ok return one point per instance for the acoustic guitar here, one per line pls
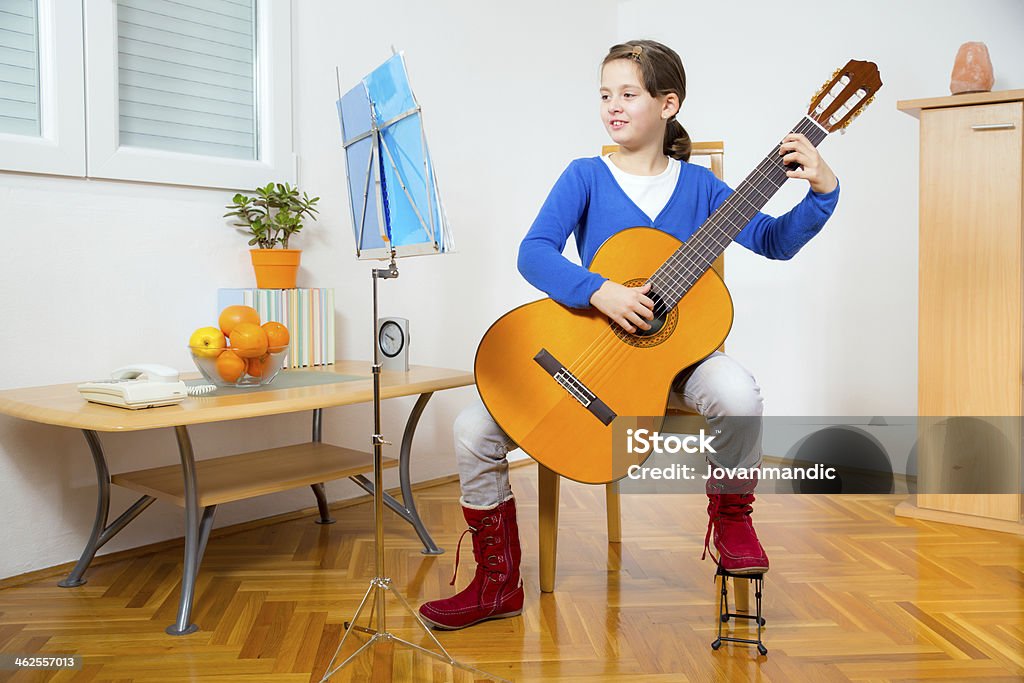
(567, 384)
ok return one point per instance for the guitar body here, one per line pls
(630, 374)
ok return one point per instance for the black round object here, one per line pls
(860, 462)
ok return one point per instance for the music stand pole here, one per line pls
(378, 446)
(380, 584)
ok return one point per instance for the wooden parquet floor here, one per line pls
(854, 594)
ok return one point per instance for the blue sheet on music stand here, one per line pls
(396, 172)
(354, 114)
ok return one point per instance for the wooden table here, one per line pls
(207, 483)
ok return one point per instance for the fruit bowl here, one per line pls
(238, 367)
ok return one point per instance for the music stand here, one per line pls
(396, 211)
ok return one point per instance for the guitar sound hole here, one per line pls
(656, 325)
(661, 312)
(662, 326)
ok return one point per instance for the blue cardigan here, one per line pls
(587, 202)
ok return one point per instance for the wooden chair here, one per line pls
(684, 421)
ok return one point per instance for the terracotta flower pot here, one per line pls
(275, 268)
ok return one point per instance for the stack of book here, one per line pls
(307, 313)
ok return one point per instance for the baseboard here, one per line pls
(909, 509)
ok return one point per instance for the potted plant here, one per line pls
(271, 218)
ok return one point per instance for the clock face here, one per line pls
(391, 339)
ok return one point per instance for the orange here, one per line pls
(230, 366)
(248, 340)
(232, 315)
(277, 336)
(257, 367)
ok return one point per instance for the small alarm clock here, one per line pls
(393, 343)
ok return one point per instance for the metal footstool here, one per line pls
(724, 613)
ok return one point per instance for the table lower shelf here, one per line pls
(237, 477)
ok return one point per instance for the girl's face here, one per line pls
(632, 116)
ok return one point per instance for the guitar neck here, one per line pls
(688, 263)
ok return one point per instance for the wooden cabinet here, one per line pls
(971, 307)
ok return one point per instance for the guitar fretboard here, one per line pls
(691, 260)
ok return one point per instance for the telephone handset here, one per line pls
(147, 371)
(145, 385)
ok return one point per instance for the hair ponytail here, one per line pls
(677, 141)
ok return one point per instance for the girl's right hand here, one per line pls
(627, 306)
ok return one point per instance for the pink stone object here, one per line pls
(972, 70)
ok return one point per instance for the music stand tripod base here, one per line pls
(725, 615)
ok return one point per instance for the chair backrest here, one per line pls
(715, 152)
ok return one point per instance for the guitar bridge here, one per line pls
(576, 388)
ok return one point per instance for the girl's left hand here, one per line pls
(797, 149)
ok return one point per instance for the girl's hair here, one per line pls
(662, 73)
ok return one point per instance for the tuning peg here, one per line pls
(857, 113)
(823, 87)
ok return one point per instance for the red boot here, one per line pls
(496, 590)
(739, 551)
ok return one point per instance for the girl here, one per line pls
(647, 182)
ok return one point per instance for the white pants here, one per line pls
(718, 388)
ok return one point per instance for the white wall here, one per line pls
(834, 330)
(98, 274)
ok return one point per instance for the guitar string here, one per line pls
(608, 362)
(763, 177)
(612, 335)
(696, 239)
(776, 166)
(773, 175)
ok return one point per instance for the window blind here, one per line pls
(19, 67)
(187, 76)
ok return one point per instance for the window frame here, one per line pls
(107, 159)
(60, 147)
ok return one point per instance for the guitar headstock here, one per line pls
(841, 99)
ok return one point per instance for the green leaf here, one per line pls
(273, 214)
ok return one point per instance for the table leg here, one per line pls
(429, 547)
(193, 535)
(318, 489)
(407, 508)
(321, 503)
(101, 533)
(318, 417)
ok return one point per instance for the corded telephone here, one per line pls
(147, 385)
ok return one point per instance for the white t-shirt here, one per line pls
(649, 192)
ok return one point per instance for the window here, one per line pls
(191, 92)
(19, 67)
(187, 76)
(42, 113)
